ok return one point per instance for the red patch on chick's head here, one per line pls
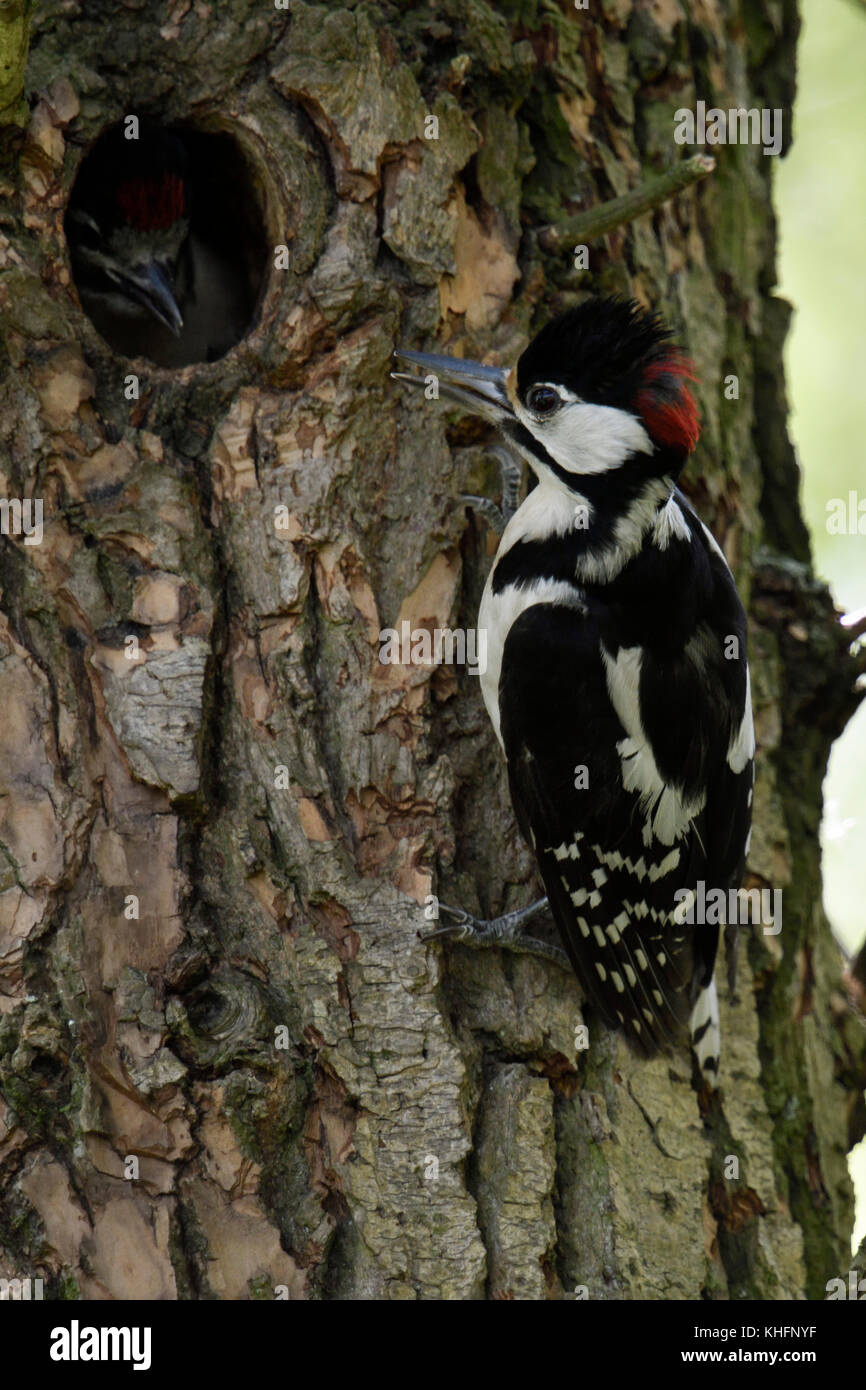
(152, 203)
(667, 405)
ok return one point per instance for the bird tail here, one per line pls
(706, 1034)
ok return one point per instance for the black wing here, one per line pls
(605, 846)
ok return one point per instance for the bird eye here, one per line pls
(543, 400)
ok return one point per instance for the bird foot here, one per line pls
(498, 517)
(504, 931)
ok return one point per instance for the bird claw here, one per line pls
(498, 517)
(463, 926)
(485, 507)
(504, 931)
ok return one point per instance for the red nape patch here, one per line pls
(667, 405)
(151, 204)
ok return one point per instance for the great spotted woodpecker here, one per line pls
(151, 283)
(617, 679)
(128, 229)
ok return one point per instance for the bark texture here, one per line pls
(215, 856)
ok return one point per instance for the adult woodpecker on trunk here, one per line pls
(617, 679)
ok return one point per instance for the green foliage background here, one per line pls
(821, 201)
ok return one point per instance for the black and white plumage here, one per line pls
(617, 679)
(128, 226)
(149, 276)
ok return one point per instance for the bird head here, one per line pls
(599, 387)
(128, 225)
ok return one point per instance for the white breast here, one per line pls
(549, 509)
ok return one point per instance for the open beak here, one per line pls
(153, 289)
(482, 390)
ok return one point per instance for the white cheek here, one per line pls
(585, 438)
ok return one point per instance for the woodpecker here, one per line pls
(128, 228)
(617, 679)
(150, 284)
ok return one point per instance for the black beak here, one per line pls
(482, 390)
(152, 287)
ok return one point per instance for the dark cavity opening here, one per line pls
(167, 242)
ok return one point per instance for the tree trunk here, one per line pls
(229, 1068)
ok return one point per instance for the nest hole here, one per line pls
(168, 243)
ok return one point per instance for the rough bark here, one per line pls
(278, 801)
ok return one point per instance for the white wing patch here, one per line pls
(669, 523)
(668, 813)
(743, 744)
